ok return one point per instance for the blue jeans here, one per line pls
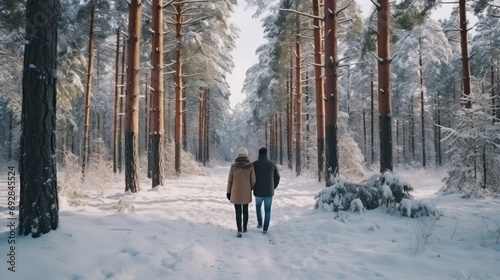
(268, 201)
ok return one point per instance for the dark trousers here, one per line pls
(241, 209)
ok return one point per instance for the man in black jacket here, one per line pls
(267, 179)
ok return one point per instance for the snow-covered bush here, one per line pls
(382, 189)
(357, 206)
(124, 205)
(392, 189)
(99, 175)
(351, 160)
(416, 208)
(69, 186)
(399, 188)
(341, 194)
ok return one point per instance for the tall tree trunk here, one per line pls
(11, 128)
(412, 130)
(156, 120)
(331, 90)
(266, 142)
(39, 204)
(422, 109)
(497, 107)
(88, 93)
(117, 97)
(397, 141)
(298, 99)
(168, 115)
(464, 45)
(147, 105)
(281, 138)
(493, 113)
(276, 137)
(271, 137)
(308, 159)
(372, 120)
(290, 116)
(179, 98)
(320, 98)
(184, 123)
(201, 126)
(384, 84)
(437, 128)
(404, 143)
(132, 96)
(484, 167)
(121, 106)
(364, 132)
(207, 128)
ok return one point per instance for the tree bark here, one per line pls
(117, 98)
(121, 102)
(147, 105)
(271, 138)
(372, 120)
(178, 90)
(384, 84)
(464, 45)
(39, 204)
(412, 130)
(298, 100)
(290, 115)
(276, 137)
(201, 127)
(320, 98)
(207, 128)
(132, 99)
(281, 138)
(404, 143)
(308, 159)
(88, 93)
(493, 108)
(397, 141)
(156, 120)
(364, 132)
(422, 109)
(11, 128)
(331, 90)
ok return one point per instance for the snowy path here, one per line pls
(186, 230)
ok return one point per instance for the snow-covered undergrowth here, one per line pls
(99, 176)
(384, 189)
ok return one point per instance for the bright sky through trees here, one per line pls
(251, 37)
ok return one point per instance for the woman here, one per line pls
(239, 187)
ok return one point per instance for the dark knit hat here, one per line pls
(262, 151)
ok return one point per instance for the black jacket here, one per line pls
(267, 177)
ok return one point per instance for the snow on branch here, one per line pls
(343, 8)
(376, 4)
(303, 14)
(378, 58)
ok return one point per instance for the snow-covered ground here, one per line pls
(186, 230)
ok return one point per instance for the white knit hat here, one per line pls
(242, 152)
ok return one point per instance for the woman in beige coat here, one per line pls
(239, 187)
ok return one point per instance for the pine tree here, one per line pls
(39, 206)
(474, 160)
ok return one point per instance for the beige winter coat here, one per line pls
(241, 181)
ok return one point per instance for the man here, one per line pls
(267, 179)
